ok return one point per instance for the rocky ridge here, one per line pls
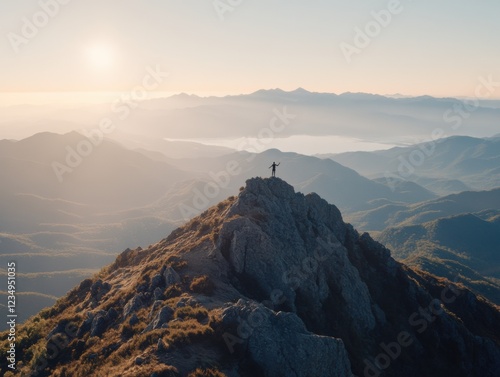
(269, 283)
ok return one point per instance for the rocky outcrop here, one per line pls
(281, 345)
(99, 324)
(295, 248)
(171, 276)
(294, 291)
(294, 253)
(161, 319)
(134, 304)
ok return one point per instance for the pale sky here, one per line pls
(438, 48)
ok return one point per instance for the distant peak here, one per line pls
(184, 96)
(360, 95)
(264, 91)
(421, 98)
(48, 136)
(301, 90)
(272, 151)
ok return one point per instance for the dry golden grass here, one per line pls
(173, 291)
(199, 313)
(202, 284)
(114, 353)
(186, 332)
(206, 373)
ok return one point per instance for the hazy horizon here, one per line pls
(77, 98)
(329, 46)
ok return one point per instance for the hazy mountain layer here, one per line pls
(463, 246)
(388, 214)
(367, 117)
(443, 166)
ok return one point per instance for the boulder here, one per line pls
(156, 282)
(111, 315)
(134, 304)
(99, 324)
(161, 319)
(280, 344)
(133, 320)
(157, 293)
(86, 325)
(156, 305)
(171, 276)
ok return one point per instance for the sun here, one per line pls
(100, 56)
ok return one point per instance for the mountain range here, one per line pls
(367, 117)
(452, 236)
(443, 166)
(387, 214)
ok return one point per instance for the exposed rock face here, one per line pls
(296, 246)
(98, 324)
(281, 345)
(133, 305)
(294, 253)
(296, 293)
(163, 316)
(171, 277)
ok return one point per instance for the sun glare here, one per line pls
(100, 56)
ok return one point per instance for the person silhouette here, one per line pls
(274, 168)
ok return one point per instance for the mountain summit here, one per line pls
(268, 283)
